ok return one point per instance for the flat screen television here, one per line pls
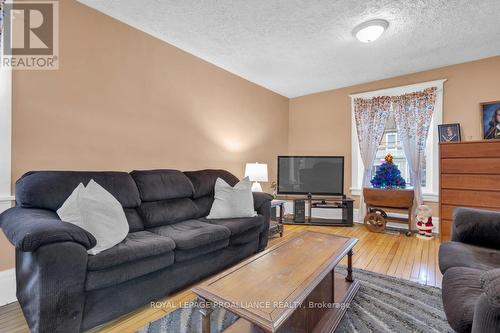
(315, 175)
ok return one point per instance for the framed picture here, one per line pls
(490, 120)
(449, 133)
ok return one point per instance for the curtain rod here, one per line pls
(393, 90)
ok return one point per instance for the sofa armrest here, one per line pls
(476, 227)
(262, 204)
(490, 282)
(259, 199)
(487, 309)
(51, 286)
(28, 229)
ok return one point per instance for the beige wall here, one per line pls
(321, 123)
(123, 100)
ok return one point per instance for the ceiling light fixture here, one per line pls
(370, 31)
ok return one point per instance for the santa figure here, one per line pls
(424, 222)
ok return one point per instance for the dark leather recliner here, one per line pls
(470, 263)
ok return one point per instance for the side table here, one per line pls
(276, 226)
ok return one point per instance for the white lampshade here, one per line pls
(257, 172)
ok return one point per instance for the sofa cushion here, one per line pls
(461, 290)
(139, 254)
(192, 234)
(135, 246)
(32, 187)
(456, 254)
(194, 238)
(155, 185)
(246, 237)
(204, 204)
(158, 213)
(134, 219)
(185, 255)
(204, 181)
(239, 225)
(121, 273)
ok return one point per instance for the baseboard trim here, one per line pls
(8, 198)
(7, 286)
(6, 202)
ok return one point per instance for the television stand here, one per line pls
(342, 203)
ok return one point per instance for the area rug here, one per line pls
(382, 304)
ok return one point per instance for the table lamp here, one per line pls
(256, 172)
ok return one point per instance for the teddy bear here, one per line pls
(424, 221)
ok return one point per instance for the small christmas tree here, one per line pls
(388, 175)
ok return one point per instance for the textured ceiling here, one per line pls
(300, 47)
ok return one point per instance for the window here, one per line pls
(390, 143)
(5, 137)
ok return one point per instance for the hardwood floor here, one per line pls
(395, 255)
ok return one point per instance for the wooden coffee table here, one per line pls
(291, 287)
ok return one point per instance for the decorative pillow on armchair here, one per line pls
(97, 211)
(232, 202)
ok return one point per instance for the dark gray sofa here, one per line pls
(170, 245)
(470, 263)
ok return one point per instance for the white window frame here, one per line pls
(5, 138)
(431, 191)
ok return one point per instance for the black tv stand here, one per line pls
(340, 202)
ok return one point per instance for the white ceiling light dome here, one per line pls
(370, 31)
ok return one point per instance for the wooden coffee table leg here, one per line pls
(333, 285)
(206, 310)
(281, 219)
(349, 267)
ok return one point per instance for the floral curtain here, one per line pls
(370, 116)
(413, 116)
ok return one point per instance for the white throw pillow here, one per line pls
(232, 202)
(97, 211)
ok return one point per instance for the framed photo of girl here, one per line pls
(449, 133)
(490, 120)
